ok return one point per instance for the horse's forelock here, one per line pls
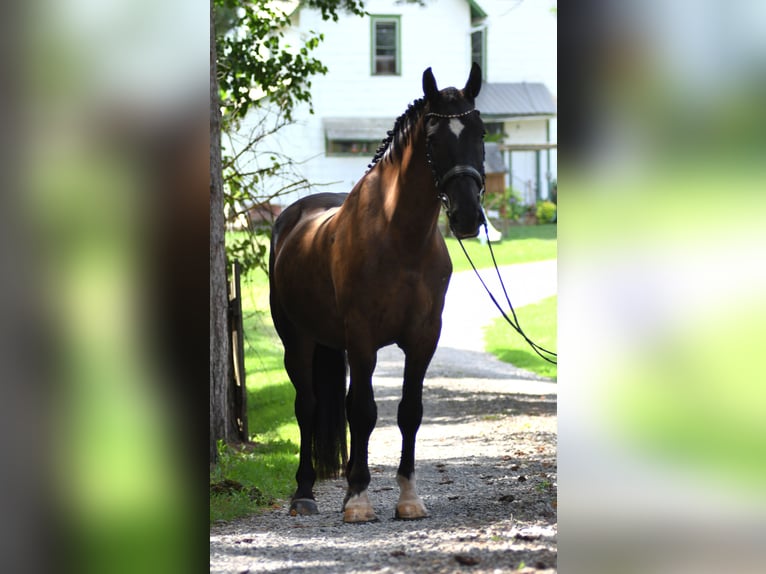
(451, 94)
(452, 101)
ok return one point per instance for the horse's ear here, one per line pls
(473, 85)
(429, 84)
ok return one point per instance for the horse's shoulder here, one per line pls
(306, 207)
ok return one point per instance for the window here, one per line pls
(479, 49)
(495, 131)
(354, 135)
(385, 45)
(352, 147)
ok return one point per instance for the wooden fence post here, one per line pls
(237, 387)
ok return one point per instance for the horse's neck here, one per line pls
(413, 203)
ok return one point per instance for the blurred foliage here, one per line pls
(546, 212)
(249, 248)
(508, 204)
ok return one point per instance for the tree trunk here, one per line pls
(219, 340)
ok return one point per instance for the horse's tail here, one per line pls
(330, 451)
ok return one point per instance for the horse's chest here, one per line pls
(394, 301)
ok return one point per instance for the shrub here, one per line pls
(546, 212)
(508, 204)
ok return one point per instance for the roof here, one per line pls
(477, 13)
(515, 99)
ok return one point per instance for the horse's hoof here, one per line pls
(358, 509)
(410, 505)
(303, 507)
(357, 515)
(410, 511)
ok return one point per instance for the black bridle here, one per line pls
(544, 353)
(478, 175)
(458, 170)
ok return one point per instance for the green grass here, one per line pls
(269, 464)
(539, 323)
(521, 244)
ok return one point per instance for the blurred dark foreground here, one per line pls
(104, 286)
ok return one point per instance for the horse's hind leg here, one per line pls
(298, 364)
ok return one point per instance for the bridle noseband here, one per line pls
(457, 170)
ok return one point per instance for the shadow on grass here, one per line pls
(268, 464)
(528, 360)
(269, 407)
(266, 467)
(277, 446)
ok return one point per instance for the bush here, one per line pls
(508, 204)
(546, 212)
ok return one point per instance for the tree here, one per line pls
(258, 69)
(247, 55)
(219, 340)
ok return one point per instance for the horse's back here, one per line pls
(298, 210)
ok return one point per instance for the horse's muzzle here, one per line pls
(464, 227)
(462, 235)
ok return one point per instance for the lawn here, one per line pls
(538, 321)
(522, 244)
(266, 467)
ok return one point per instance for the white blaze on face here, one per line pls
(456, 126)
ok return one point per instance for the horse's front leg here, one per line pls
(410, 506)
(362, 415)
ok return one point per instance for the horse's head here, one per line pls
(455, 149)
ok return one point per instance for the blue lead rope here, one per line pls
(541, 351)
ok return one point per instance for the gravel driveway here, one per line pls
(485, 463)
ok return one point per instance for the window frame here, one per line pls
(397, 20)
(483, 63)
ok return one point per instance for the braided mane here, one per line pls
(397, 138)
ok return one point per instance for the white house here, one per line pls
(375, 67)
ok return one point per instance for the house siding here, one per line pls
(524, 46)
(438, 36)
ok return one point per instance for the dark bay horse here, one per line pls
(352, 273)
